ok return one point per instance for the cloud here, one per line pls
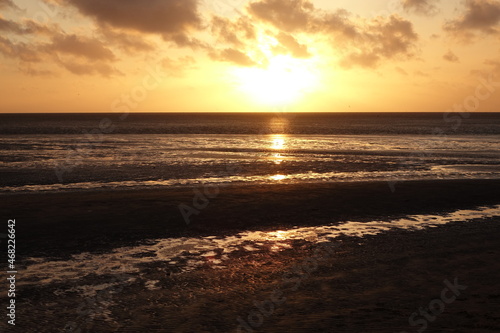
(421, 7)
(495, 64)
(233, 56)
(27, 27)
(236, 32)
(451, 57)
(6, 4)
(168, 18)
(264, 29)
(378, 40)
(78, 54)
(480, 16)
(19, 51)
(401, 71)
(11, 26)
(79, 46)
(420, 73)
(81, 68)
(131, 43)
(288, 15)
(362, 42)
(81, 55)
(290, 45)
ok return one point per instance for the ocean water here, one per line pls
(103, 151)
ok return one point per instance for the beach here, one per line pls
(56, 223)
(372, 283)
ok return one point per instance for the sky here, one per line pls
(249, 55)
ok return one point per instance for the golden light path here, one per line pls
(283, 81)
(278, 177)
(279, 144)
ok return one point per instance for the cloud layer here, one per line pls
(166, 17)
(423, 7)
(114, 30)
(480, 16)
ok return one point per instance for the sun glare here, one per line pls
(283, 81)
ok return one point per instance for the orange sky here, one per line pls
(239, 55)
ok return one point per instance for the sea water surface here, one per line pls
(76, 152)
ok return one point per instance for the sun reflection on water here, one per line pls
(278, 177)
(278, 142)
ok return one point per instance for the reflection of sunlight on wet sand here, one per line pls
(278, 177)
(277, 158)
(189, 253)
(278, 234)
(278, 141)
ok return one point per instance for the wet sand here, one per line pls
(59, 224)
(369, 284)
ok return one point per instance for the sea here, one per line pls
(102, 151)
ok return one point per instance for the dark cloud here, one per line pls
(422, 7)
(78, 54)
(81, 55)
(5, 4)
(89, 48)
(19, 51)
(129, 42)
(379, 39)
(85, 68)
(25, 28)
(451, 57)
(11, 26)
(165, 17)
(480, 16)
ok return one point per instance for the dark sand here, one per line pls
(62, 223)
(371, 284)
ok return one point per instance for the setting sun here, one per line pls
(283, 81)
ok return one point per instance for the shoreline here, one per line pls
(369, 284)
(61, 224)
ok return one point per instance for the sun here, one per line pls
(283, 81)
